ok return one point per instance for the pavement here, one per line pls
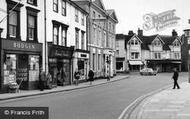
(27, 93)
(166, 103)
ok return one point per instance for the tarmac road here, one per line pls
(99, 102)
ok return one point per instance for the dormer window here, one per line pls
(176, 43)
(134, 42)
(157, 43)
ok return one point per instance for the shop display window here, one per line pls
(10, 68)
(34, 68)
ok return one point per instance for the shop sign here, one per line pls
(20, 45)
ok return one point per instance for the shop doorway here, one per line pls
(63, 66)
(22, 70)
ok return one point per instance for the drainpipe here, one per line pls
(45, 37)
(1, 60)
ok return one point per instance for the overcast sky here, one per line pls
(130, 14)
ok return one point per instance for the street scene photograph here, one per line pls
(94, 59)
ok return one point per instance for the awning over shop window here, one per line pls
(135, 63)
(176, 62)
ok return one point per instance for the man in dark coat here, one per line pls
(175, 78)
(91, 76)
(42, 80)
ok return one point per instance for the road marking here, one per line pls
(123, 114)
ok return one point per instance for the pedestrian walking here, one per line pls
(42, 80)
(175, 78)
(91, 76)
(77, 77)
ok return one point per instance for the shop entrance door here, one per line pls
(22, 70)
(64, 64)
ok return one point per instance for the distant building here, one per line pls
(185, 50)
(159, 52)
(101, 37)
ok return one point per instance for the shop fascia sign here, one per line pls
(22, 45)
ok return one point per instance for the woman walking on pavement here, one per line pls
(91, 76)
(175, 78)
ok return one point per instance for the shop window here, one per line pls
(55, 5)
(10, 68)
(119, 65)
(33, 67)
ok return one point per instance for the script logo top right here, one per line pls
(160, 21)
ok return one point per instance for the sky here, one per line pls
(130, 14)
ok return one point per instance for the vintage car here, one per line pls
(147, 71)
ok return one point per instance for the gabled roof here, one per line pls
(99, 3)
(147, 40)
(168, 40)
(112, 14)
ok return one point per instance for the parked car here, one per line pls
(147, 71)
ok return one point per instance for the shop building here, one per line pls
(160, 52)
(67, 42)
(21, 43)
(101, 37)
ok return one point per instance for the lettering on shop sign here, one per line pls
(160, 21)
(23, 45)
(61, 53)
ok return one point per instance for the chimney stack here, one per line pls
(130, 33)
(174, 33)
(140, 32)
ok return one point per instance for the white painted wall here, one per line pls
(69, 20)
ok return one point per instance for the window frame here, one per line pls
(15, 26)
(31, 28)
(135, 55)
(32, 3)
(56, 5)
(34, 13)
(76, 15)
(82, 20)
(63, 38)
(57, 38)
(83, 40)
(77, 38)
(157, 55)
(64, 7)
